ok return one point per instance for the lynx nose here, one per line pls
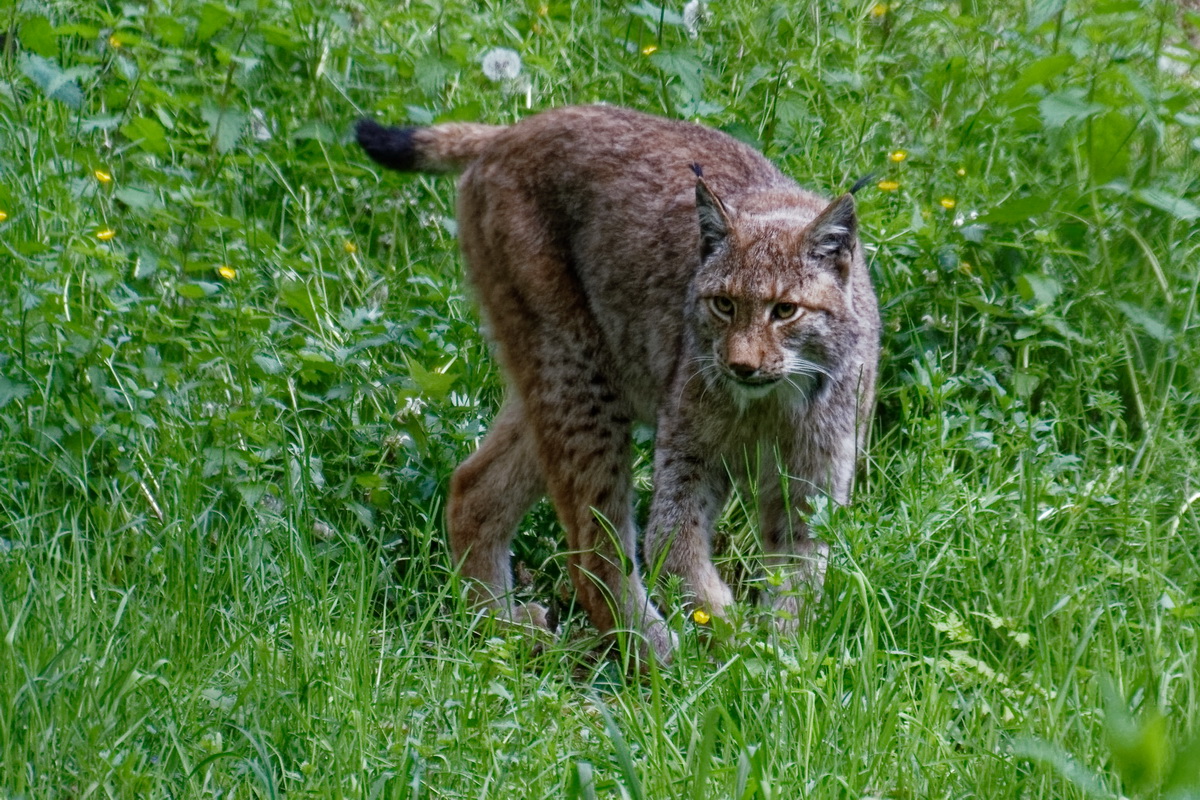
(743, 371)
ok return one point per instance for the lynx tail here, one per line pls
(442, 148)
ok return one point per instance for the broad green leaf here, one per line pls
(1042, 11)
(430, 73)
(197, 290)
(148, 133)
(51, 79)
(1040, 289)
(654, 13)
(1142, 318)
(1170, 203)
(299, 298)
(1140, 750)
(139, 199)
(1108, 156)
(10, 391)
(213, 17)
(225, 126)
(432, 384)
(317, 130)
(1018, 209)
(1060, 108)
(686, 68)
(1042, 71)
(38, 35)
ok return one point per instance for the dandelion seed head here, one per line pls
(501, 64)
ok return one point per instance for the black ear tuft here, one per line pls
(863, 181)
(696, 169)
(392, 147)
(832, 235)
(714, 219)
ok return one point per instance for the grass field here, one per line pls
(240, 361)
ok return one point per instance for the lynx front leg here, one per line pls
(489, 494)
(795, 561)
(689, 492)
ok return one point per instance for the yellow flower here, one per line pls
(961, 172)
(898, 156)
(879, 9)
(114, 42)
(701, 616)
(648, 49)
(106, 234)
(350, 247)
(543, 10)
(3, 216)
(102, 176)
(947, 203)
(888, 186)
(227, 272)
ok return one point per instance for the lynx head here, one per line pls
(773, 301)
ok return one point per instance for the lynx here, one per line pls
(633, 269)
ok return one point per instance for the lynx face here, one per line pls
(770, 298)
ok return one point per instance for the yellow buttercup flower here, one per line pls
(879, 9)
(114, 42)
(898, 156)
(102, 176)
(888, 186)
(105, 234)
(350, 247)
(648, 49)
(947, 202)
(701, 616)
(3, 216)
(961, 172)
(227, 272)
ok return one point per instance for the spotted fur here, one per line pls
(637, 269)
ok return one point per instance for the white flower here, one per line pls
(501, 64)
(693, 15)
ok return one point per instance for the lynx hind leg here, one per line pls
(584, 441)
(554, 353)
(489, 495)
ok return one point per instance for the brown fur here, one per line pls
(620, 286)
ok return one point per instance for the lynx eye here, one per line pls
(782, 312)
(722, 306)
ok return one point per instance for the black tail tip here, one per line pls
(392, 147)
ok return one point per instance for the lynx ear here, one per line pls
(831, 236)
(714, 218)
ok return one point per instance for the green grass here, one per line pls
(226, 431)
